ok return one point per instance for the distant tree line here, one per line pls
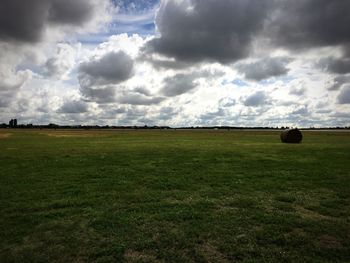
(13, 124)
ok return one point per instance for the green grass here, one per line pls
(173, 196)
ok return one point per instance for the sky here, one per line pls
(175, 62)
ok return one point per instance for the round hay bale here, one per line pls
(291, 136)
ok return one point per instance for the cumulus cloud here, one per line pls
(301, 24)
(112, 68)
(120, 95)
(135, 115)
(27, 21)
(143, 91)
(74, 106)
(110, 112)
(340, 115)
(182, 83)
(208, 30)
(297, 91)
(218, 31)
(167, 113)
(61, 63)
(105, 94)
(162, 62)
(257, 99)
(264, 68)
(101, 80)
(227, 102)
(70, 12)
(138, 99)
(336, 65)
(178, 84)
(212, 116)
(344, 95)
(10, 85)
(8, 93)
(339, 81)
(303, 110)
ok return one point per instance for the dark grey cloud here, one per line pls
(110, 112)
(264, 68)
(167, 113)
(211, 30)
(138, 96)
(303, 110)
(100, 95)
(211, 116)
(74, 107)
(339, 81)
(323, 111)
(343, 115)
(139, 99)
(134, 116)
(26, 21)
(300, 24)
(10, 89)
(336, 65)
(70, 12)
(8, 93)
(195, 30)
(22, 20)
(344, 95)
(120, 95)
(61, 63)
(178, 84)
(98, 77)
(112, 68)
(53, 67)
(143, 91)
(182, 83)
(257, 99)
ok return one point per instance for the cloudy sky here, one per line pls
(175, 62)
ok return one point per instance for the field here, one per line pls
(173, 196)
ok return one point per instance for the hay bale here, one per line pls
(291, 136)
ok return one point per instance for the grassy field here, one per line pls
(173, 196)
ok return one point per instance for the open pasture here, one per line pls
(173, 196)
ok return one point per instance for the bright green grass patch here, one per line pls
(173, 196)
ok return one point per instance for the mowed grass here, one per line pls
(173, 196)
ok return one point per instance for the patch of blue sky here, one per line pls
(237, 82)
(135, 17)
(127, 6)
(37, 69)
(137, 21)
(285, 79)
(267, 82)
(94, 39)
(72, 80)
